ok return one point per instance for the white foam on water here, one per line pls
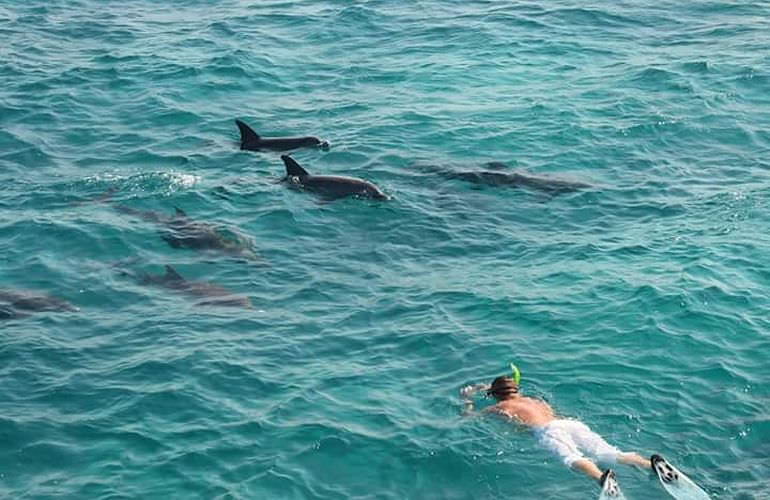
(182, 180)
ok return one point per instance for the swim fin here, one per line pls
(675, 482)
(610, 487)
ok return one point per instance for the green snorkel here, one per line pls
(516, 374)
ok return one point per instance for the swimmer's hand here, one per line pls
(468, 391)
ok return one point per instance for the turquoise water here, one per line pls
(638, 305)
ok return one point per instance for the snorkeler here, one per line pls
(572, 441)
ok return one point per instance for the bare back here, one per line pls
(527, 411)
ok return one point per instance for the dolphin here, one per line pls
(212, 294)
(252, 141)
(17, 304)
(330, 187)
(492, 176)
(183, 232)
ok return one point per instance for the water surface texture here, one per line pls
(638, 304)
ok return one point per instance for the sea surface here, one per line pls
(638, 304)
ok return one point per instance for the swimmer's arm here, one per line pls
(470, 411)
(467, 393)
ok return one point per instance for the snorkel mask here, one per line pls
(501, 385)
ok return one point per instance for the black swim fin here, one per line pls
(663, 469)
(610, 487)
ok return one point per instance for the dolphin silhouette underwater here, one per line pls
(212, 294)
(252, 141)
(329, 187)
(494, 176)
(183, 232)
(16, 304)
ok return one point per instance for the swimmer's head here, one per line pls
(503, 387)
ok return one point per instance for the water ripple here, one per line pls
(647, 288)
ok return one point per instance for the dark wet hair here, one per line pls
(502, 387)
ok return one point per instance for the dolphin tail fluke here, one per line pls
(247, 133)
(105, 197)
(122, 267)
(172, 240)
(172, 275)
(147, 215)
(293, 169)
(7, 312)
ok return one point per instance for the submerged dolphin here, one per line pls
(494, 177)
(213, 295)
(183, 232)
(17, 304)
(252, 141)
(330, 187)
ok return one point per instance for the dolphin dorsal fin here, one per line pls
(292, 167)
(180, 212)
(171, 274)
(247, 133)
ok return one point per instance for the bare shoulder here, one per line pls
(496, 410)
(536, 401)
(505, 409)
